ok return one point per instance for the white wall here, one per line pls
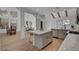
(43, 11)
(30, 17)
(38, 20)
(26, 17)
(48, 21)
(71, 16)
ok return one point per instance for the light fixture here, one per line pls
(66, 22)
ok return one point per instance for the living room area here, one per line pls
(9, 26)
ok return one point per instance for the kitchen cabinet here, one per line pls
(59, 33)
(54, 33)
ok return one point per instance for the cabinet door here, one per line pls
(55, 33)
(61, 34)
(47, 38)
(38, 41)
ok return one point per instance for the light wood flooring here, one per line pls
(14, 43)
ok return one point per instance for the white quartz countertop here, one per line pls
(75, 29)
(39, 32)
(71, 43)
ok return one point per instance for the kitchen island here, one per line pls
(41, 38)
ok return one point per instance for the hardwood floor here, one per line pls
(14, 43)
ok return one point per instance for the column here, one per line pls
(22, 24)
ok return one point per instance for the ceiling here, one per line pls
(45, 10)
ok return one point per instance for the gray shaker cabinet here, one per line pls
(59, 33)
